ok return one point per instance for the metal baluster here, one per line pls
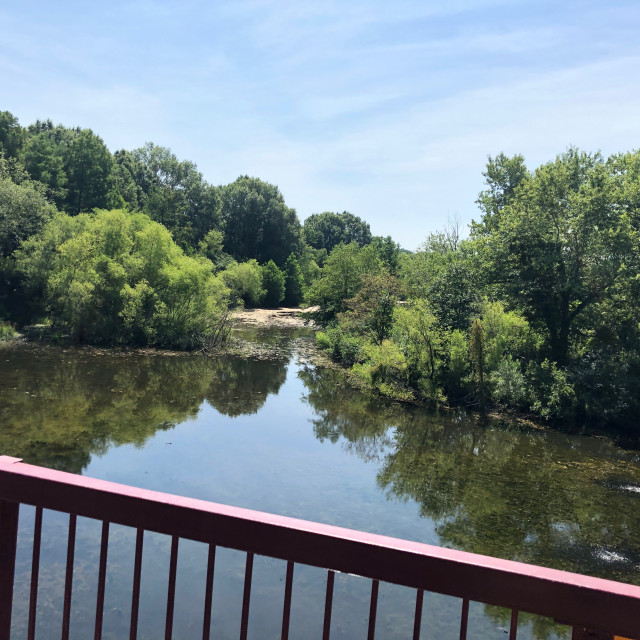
(135, 596)
(35, 574)
(102, 575)
(513, 631)
(464, 619)
(208, 593)
(68, 584)
(171, 591)
(417, 621)
(286, 613)
(327, 605)
(248, 573)
(9, 512)
(373, 608)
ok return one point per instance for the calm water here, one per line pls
(281, 436)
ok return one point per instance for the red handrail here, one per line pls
(577, 600)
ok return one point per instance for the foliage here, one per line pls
(23, 211)
(7, 331)
(11, 135)
(273, 281)
(561, 245)
(118, 278)
(327, 230)
(385, 369)
(341, 278)
(87, 166)
(370, 311)
(244, 281)
(294, 282)
(174, 193)
(257, 223)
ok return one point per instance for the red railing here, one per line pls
(602, 607)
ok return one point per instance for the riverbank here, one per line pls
(281, 317)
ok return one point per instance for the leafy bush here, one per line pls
(7, 331)
(273, 281)
(115, 277)
(323, 341)
(244, 280)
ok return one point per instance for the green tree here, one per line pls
(273, 281)
(327, 230)
(175, 194)
(503, 176)
(24, 210)
(257, 222)
(561, 245)
(44, 161)
(294, 282)
(88, 165)
(370, 312)
(341, 278)
(12, 135)
(244, 280)
(118, 278)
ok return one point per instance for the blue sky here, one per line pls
(385, 109)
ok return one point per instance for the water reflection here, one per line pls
(495, 488)
(58, 408)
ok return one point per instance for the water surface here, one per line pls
(281, 436)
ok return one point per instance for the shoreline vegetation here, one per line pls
(534, 309)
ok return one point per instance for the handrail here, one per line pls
(578, 600)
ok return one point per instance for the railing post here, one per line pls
(8, 541)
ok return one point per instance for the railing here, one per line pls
(593, 607)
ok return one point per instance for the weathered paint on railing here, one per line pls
(581, 601)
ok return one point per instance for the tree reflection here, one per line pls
(496, 488)
(60, 407)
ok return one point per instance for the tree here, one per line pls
(257, 222)
(389, 252)
(12, 135)
(118, 278)
(44, 161)
(503, 176)
(327, 230)
(88, 166)
(175, 194)
(24, 210)
(273, 281)
(561, 245)
(370, 311)
(294, 282)
(341, 278)
(244, 280)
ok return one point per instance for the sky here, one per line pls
(388, 110)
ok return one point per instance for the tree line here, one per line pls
(535, 308)
(136, 247)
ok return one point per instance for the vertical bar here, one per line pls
(417, 621)
(373, 608)
(171, 591)
(464, 619)
(244, 625)
(68, 584)
(35, 574)
(513, 631)
(328, 603)
(8, 540)
(135, 595)
(208, 593)
(286, 612)
(102, 575)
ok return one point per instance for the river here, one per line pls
(280, 435)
